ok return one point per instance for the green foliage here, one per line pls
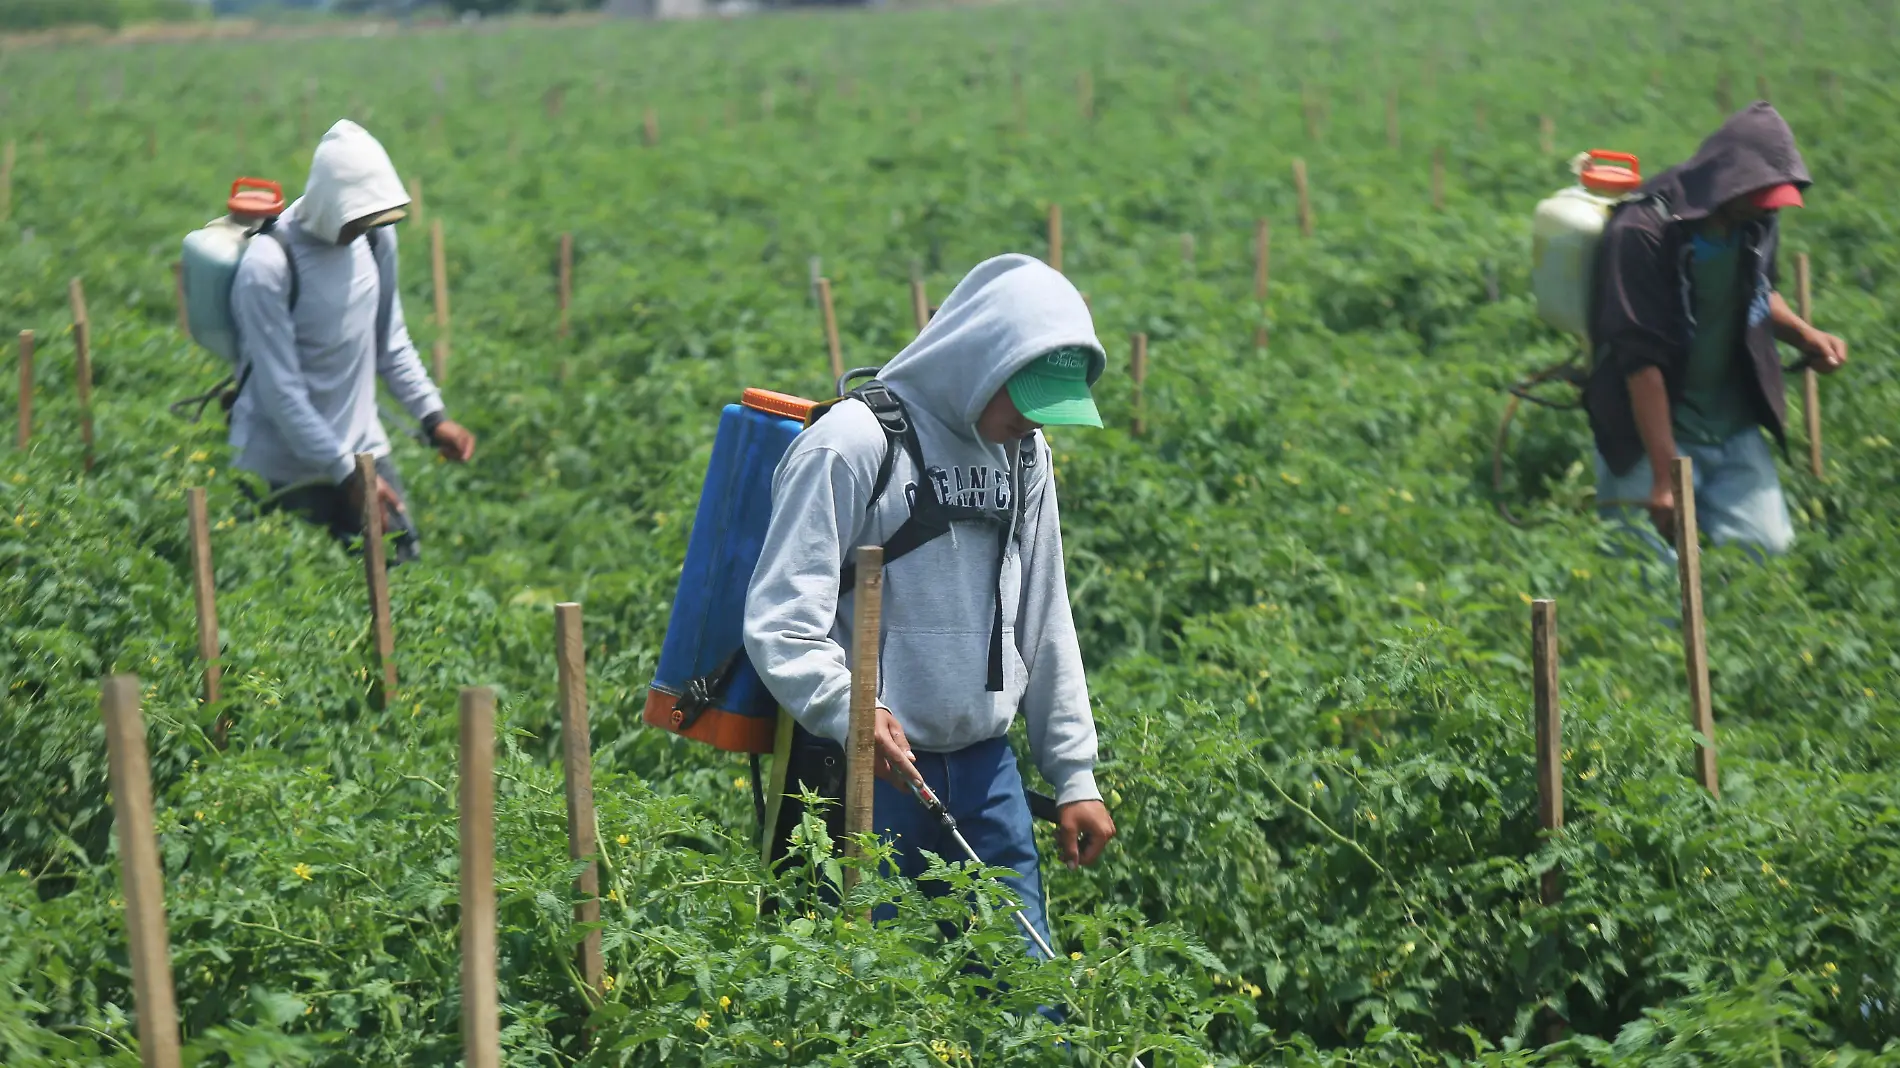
(1306, 628)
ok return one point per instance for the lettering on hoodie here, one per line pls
(969, 486)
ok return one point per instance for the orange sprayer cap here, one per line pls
(256, 196)
(764, 400)
(1615, 181)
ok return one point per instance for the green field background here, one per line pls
(1307, 627)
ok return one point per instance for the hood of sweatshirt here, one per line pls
(1753, 150)
(350, 177)
(1007, 312)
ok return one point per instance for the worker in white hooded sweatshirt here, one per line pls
(976, 620)
(319, 319)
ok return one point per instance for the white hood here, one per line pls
(350, 177)
(1006, 312)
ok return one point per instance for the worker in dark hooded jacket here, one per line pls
(1683, 326)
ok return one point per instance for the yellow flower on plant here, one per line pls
(738, 784)
(778, 1043)
(200, 456)
(200, 814)
(1406, 496)
(1319, 784)
(623, 839)
(1076, 955)
(1289, 478)
(703, 1022)
(725, 1002)
(302, 871)
(607, 982)
(1868, 691)
(1767, 868)
(1829, 968)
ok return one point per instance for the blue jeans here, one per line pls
(1737, 497)
(984, 790)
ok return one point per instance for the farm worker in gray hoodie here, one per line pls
(1684, 325)
(313, 337)
(976, 623)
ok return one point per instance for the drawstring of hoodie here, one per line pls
(995, 683)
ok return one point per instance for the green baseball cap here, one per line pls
(1053, 389)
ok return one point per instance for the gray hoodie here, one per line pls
(310, 403)
(939, 600)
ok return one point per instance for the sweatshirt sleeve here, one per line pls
(1056, 702)
(792, 603)
(1638, 299)
(399, 364)
(267, 346)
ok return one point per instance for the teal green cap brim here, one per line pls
(1053, 401)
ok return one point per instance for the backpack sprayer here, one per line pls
(935, 807)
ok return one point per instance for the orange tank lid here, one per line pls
(764, 400)
(256, 196)
(1613, 180)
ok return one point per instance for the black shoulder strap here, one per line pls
(269, 229)
(385, 301)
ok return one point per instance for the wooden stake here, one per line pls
(130, 771)
(25, 432)
(652, 127)
(1306, 203)
(583, 840)
(415, 201)
(1724, 97)
(1546, 134)
(1262, 251)
(1438, 178)
(204, 593)
(831, 328)
(1694, 639)
(1550, 735)
(439, 357)
(178, 292)
(378, 575)
(1055, 236)
(1187, 248)
(1761, 87)
(919, 304)
(7, 156)
(439, 267)
(1810, 380)
(82, 366)
(1138, 371)
(567, 277)
(867, 615)
(1392, 119)
(481, 1005)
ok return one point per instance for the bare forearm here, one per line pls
(1790, 329)
(1649, 398)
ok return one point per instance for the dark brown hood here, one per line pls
(1753, 150)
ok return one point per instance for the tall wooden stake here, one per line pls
(415, 202)
(1138, 371)
(567, 277)
(481, 1005)
(867, 617)
(919, 304)
(1695, 650)
(831, 328)
(1810, 381)
(1055, 236)
(1262, 253)
(1546, 134)
(204, 594)
(378, 575)
(82, 364)
(7, 156)
(1550, 735)
(439, 264)
(651, 125)
(578, 764)
(130, 771)
(1306, 203)
(25, 433)
(1187, 248)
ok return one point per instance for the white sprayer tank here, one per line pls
(210, 256)
(1566, 232)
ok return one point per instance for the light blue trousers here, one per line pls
(1737, 497)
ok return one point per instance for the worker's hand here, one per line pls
(353, 491)
(454, 441)
(1826, 352)
(1662, 510)
(894, 758)
(1083, 831)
